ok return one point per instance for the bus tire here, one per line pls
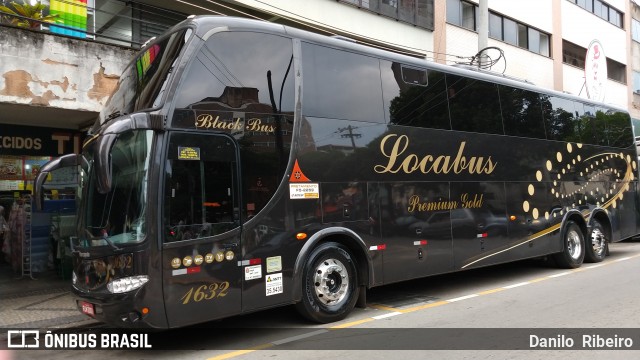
(597, 243)
(573, 247)
(329, 284)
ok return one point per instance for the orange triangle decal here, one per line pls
(297, 175)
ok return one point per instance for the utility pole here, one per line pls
(350, 135)
(483, 29)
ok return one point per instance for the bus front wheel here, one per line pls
(597, 244)
(330, 284)
(573, 247)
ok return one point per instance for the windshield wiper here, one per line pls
(105, 238)
(113, 115)
(113, 246)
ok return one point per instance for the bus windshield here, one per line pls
(118, 217)
(143, 82)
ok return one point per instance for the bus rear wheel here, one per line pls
(330, 284)
(573, 247)
(597, 243)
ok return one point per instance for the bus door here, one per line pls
(201, 229)
(416, 229)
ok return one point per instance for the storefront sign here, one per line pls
(37, 141)
(595, 71)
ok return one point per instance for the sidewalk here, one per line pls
(45, 302)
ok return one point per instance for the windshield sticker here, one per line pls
(304, 191)
(188, 153)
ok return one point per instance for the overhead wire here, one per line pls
(485, 62)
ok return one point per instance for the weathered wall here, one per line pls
(41, 69)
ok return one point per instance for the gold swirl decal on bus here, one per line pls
(207, 121)
(394, 146)
(604, 186)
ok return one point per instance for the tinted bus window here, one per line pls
(521, 112)
(601, 126)
(421, 105)
(585, 122)
(341, 85)
(619, 132)
(474, 105)
(226, 73)
(560, 121)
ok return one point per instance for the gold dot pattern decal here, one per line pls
(579, 181)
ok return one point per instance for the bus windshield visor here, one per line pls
(118, 217)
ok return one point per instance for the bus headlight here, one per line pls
(127, 284)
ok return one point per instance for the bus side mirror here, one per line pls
(61, 162)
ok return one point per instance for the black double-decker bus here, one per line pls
(243, 165)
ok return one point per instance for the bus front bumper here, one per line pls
(118, 310)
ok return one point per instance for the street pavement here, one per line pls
(45, 302)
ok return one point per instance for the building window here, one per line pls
(573, 54)
(616, 71)
(510, 31)
(461, 13)
(538, 42)
(636, 82)
(602, 10)
(415, 12)
(635, 30)
(495, 26)
(514, 33)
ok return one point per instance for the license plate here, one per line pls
(87, 308)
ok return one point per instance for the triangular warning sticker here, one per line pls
(297, 175)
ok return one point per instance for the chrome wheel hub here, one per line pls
(331, 282)
(598, 241)
(574, 246)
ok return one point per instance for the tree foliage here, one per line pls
(26, 15)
